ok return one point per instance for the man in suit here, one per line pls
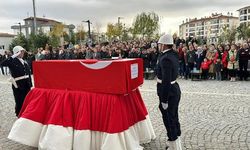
(20, 76)
(168, 90)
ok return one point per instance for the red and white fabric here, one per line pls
(65, 120)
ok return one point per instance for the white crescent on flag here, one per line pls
(97, 65)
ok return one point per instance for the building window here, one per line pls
(248, 10)
(243, 12)
(248, 17)
(243, 18)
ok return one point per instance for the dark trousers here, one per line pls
(204, 74)
(224, 73)
(232, 73)
(243, 70)
(2, 70)
(170, 115)
(19, 95)
(182, 68)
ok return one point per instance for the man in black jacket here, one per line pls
(244, 56)
(21, 79)
(168, 90)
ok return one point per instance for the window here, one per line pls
(248, 10)
(243, 18)
(248, 17)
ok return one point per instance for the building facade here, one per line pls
(5, 40)
(43, 24)
(244, 15)
(207, 28)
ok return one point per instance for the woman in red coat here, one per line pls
(224, 63)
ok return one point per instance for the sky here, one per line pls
(102, 12)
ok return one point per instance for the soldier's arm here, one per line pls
(166, 79)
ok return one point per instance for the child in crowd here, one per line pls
(218, 69)
(205, 68)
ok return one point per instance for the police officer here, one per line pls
(20, 76)
(168, 90)
(244, 56)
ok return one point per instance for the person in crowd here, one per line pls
(146, 60)
(233, 65)
(244, 56)
(184, 49)
(30, 59)
(153, 57)
(37, 56)
(205, 68)
(97, 52)
(199, 57)
(89, 53)
(133, 53)
(190, 59)
(20, 76)
(62, 53)
(181, 61)
(211, 56)
(218, 69)
(1, 59)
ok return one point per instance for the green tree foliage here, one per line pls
(20, 40)
(243, 31)
(145, 24)
(228, 34)
(39, 40)
(114, 30)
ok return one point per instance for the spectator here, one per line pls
(211, 56)
(205, 68)
(190, 60)
(199, 57)
(218, 69)
(233, 62)
(244, 56)
(181, 61)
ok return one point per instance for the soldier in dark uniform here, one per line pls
(21, 79)
(168, 90)
(244, 56)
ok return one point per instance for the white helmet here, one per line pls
(17, 49)
(166, 39)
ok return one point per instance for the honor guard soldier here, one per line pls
(20, 76)
(168, 90)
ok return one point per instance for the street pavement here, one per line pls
(214, 115)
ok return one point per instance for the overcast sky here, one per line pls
(101, 12)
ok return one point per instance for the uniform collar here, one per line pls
(165, 51)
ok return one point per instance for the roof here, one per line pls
(41, 19)
(209, 18)
(6, 35)
(243, 8)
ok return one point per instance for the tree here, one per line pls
(39, 40)
(228, 34)
(55, 34)
(80, 34)
(243, 31)
(20, 40)
(114, 30)
(146, 24)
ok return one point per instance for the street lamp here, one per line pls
(20, 28)
(88, 27)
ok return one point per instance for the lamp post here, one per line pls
(34, 10)
(20, 28)
(88, 28)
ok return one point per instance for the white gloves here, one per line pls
(15, 55)
(164, 105)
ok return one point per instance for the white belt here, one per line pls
(21, 78)
(160, 81)
(13, 80)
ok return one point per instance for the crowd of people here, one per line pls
(220, 62)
